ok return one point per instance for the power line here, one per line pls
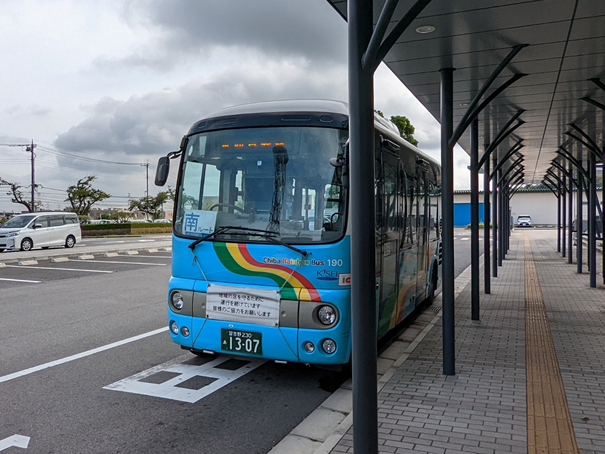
(87, 158)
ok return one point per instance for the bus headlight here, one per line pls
(185, 331)
(329, 346)
(177, 301)
(326, 315)
(174, 328)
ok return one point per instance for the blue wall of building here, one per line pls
(462, 214)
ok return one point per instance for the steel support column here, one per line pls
(486, 225)
(563, 215)
(495, 222)
(570, 217)
(447, 197)
(363, 272)
(558, 218)
(474, 220)
(592, 220)
(579, 216)
(500, 216)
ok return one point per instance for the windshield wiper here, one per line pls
(207, 237)
(266, 234)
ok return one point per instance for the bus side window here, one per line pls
(411, 210)
(191, 189)
(435, 196)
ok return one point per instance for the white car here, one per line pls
(26, 231)
(524, 220)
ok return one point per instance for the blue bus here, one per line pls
(261, 240)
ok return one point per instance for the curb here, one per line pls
(61, 253)
(321, 431)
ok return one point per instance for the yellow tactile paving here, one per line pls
(549, 426)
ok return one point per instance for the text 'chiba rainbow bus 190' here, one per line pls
(261, 245)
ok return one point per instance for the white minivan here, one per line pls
(27, 231)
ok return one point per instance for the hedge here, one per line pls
(138, 228)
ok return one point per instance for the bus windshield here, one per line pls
(276, 180)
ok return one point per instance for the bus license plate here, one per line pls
(241, 341)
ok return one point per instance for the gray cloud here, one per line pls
(34, 109)
(284, 29)
(153, 123)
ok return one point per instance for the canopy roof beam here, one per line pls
(514, 149)
(378, 48)
(475, 108)
(589, 143)
(502, 134)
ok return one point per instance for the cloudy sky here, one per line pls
(103, 87)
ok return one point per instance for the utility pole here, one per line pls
(29, 148)
(146, 165)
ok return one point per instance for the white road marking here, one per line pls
(170, 389)
(155, 256)
(68, 359)
(146, 241)
(126, 262)
(17, 441)
(464, 239)
(59, 269)
(19, 280)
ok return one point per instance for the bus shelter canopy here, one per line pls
(565, 53)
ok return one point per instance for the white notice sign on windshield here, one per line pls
(243, 304)
(199, 222)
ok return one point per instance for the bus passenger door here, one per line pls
(408, 250)
(422, 238)
(388, 241)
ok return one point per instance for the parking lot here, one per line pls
(31, 271)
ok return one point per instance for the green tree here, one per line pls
(120, 216)
(406, 129)
(82, 196)
(17, 195)
(150, 205)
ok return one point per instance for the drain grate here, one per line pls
(434, 308)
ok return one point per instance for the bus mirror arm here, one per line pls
(161, 173)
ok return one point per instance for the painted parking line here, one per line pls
(16, 441)
(19, 280)
(185, 382)
(158, 256)
(31, 267)
(117, 261)
(68, 359)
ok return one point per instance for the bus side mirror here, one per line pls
(161, 174)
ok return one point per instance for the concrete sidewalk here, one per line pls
(503, 398)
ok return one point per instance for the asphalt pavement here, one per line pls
(90, 245)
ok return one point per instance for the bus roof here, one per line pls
(310, 105)
(288, 105)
